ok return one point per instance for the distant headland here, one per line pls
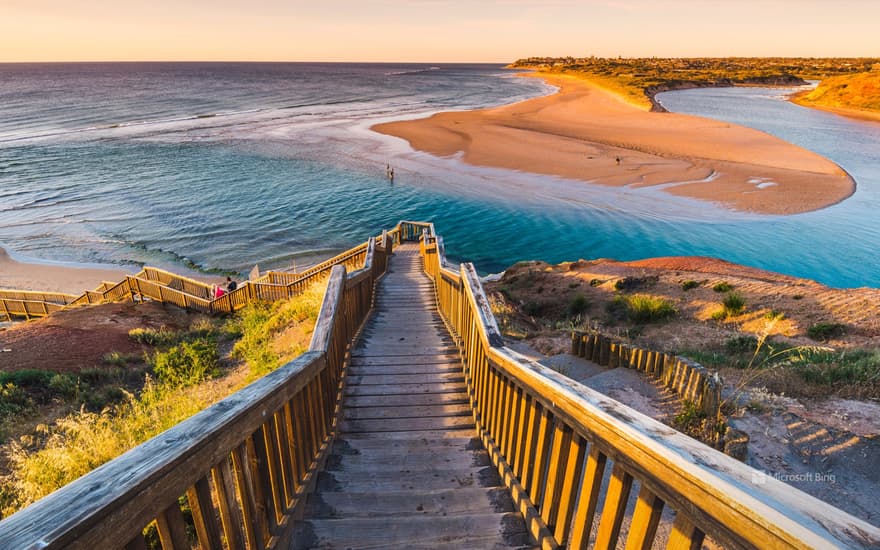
(639, 80)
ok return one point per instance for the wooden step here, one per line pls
(448, 502)
(373, 425)
(436, 368)
(392, 389)
(408, 411)
(390, 379)
(402, 399)
(422, 479)
(495, 530)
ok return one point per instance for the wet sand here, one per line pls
(586, 133)
(52, 278)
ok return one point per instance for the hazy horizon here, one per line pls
(430, 31)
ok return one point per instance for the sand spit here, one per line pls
(586, 133)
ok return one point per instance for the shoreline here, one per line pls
(48, 277)
(580, 131)
(858, 114)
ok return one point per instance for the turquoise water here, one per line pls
(219, 166)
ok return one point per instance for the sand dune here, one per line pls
(581, 132)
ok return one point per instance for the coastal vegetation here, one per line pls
(640, 79)
(183, 372)
(758, 333)
(859, 92)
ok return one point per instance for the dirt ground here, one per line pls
(75, 339)
(812, 438)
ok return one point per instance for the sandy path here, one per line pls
(581, 132)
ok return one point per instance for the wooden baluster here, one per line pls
(557, 466)
(255, 527)
(614, 509)
(265, 493)
(208, 532)
(646, 517)
(513, 420)
(172, 528)
(684, 535)
(503, 406)
(230, 511)
(295, 436)
(519, 443)
(589, 497)
(528, 465)
(542, 444)
(568, 492)
(284, 458)
(276, 481)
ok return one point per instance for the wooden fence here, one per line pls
(687, 379)
(552, 440)
(243, 466)
(167, 287)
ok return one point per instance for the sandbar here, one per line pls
(53, 278)
(584, 132)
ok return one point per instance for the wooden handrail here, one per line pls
(552, 439)
(244, 465)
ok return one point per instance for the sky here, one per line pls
(492, 31)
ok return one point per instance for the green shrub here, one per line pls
(722, 287)
(642, 308)
(32, 378)
(596, 282)
(578, 305)
(734, 304)
(155, 337)
(65, 385)
(14, 401)
(849, 367)
(826, 331)
(688, 285)
(533, 308)
(741, 344)
(186, 363)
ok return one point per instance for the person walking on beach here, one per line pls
(230, 284)
(389, 172)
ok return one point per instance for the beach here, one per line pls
(53, 278)
(584, 132)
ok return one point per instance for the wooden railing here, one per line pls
(552, 440)
(167, 287)
(243, 466)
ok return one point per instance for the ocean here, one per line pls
(215, 167)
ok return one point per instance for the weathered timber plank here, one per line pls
(423, 378)
(417, 411)
(403, 479)
(391, 389)
(403, 399)
(428, 434)
(467, 500)
(437, 368)
(474, 531)
(426, 359)
(405, 424)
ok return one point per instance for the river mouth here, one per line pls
(286, 181)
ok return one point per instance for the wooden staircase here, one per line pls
(407, 469)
